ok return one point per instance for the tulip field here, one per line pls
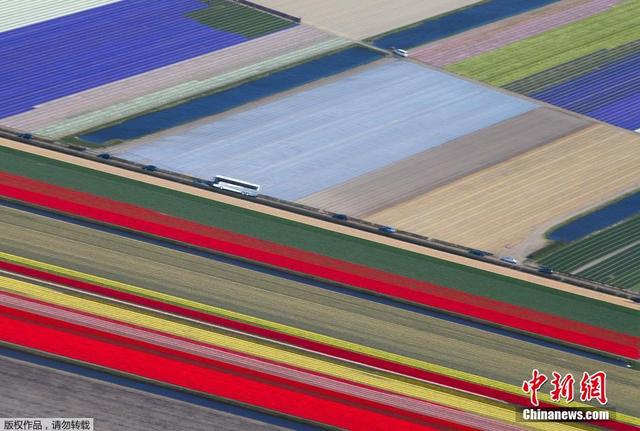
(273, 215)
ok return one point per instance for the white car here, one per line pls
(510, 260)
(401, 52)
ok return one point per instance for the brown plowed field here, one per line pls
(438, 166)
(500, 208)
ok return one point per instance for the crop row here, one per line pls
(573, 69)
(310, 264)
(489, 37)
(593, 247)
(104, 45)
(170, 366)
(601, 85)
(622, 270)
(519, 60)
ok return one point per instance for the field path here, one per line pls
(317, 223)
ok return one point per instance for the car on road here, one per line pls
(510, 260)
(545, 270)
(150, 168)
(400, 52)
(479, 253)
(387, 229)
(342, 217)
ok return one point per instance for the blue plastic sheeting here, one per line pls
(327, 135)
(156, 390)
(597, 220)
(458, 21)
(611, 93)
(63, 56)
(224, 100)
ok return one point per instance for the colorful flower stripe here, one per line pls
(262, 349)
(473, 306)
(322, 266)
(272, 335)
(208, 376)
(207, 352)
(288, 339)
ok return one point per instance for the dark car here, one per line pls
(342, 217)
(150, 168)
(478, 253)
(27, 136)
(545, 270)
(387, 229)
(105, 156)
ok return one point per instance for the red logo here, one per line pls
(592, 387)
(562, 387)
(532, 386)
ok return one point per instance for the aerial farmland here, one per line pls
(214, 114)
(306, 215)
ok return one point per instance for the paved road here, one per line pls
(298, 304)
(29, 390)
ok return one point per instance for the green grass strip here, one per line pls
(618, 26)
(321, 241)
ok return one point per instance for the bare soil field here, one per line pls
(438, 166)
(318, 223)
(359, 19)
(499, 208)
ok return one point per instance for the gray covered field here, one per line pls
(440, 165)
(332, 133)
(28, 390)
